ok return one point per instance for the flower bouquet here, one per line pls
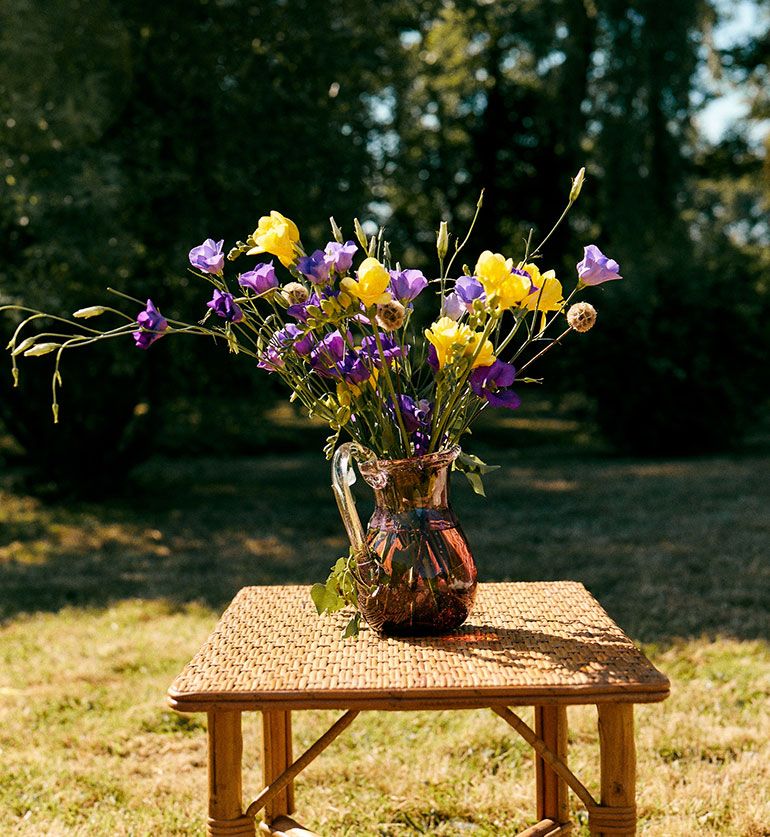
(341, 329)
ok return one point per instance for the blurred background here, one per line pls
(132, 130)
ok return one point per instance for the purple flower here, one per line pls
(155, 324)
(432, 358)
(259, 280)
(417, 417)
(208, 256)
(469, 288)
(327, 353)
(353, 368)
(331, 358)
(340, 256)
(304, 346)
(492, 382)
(271, 358)
(299, 311)
(453, 306)
(416, 414)
(391, 349)
(596, 267)
(223, 305)
(315, 267)
(406, 285)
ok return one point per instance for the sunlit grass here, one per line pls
(103, 604)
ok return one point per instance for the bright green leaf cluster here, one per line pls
(339, 592)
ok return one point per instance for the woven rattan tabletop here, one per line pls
(524, 643)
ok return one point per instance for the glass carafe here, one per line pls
(415, 572)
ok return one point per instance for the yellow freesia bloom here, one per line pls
(277, 235)
(493, 270)
(446, 335)
(486, 357)
(372, 282)
(549, 297)
(452, 339)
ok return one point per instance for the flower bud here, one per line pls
(328, 306)
(343, 395)
(390, 315)
(336, 231)
(239, 249)
(22, 347)
(577, 185)
(360, 234)
(41, 349)
(92, 311)
(442, 240)
(581, 316)
(295, 293)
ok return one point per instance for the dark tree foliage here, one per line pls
(130, 131)
(676, 370)
(515, 96)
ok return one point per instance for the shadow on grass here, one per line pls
(670, 548)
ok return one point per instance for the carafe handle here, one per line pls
(343, 476)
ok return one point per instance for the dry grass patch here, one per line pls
(103, 604)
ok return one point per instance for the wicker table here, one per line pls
(542, 644)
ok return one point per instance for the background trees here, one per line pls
(130, 131)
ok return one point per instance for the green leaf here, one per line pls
(474, 468)
(477, 484)
(467, 462)
(319, 594)
(353, 627)
(340, 566)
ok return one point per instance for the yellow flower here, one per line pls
(505, 288)
(549, 297)
(372, 282)
(446, 335)
(343, 394)
(452, 340)
(277, 235)
(485, 357)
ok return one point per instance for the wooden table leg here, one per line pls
(276, 757)
(616, 816)
(226, 817)
(551, 790)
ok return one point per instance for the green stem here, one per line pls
(553, 230)
(546, 349)
(447, 411)
(389, 383)
(467, 236)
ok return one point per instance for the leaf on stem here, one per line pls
(473, 468)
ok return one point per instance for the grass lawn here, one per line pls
(101, 604)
